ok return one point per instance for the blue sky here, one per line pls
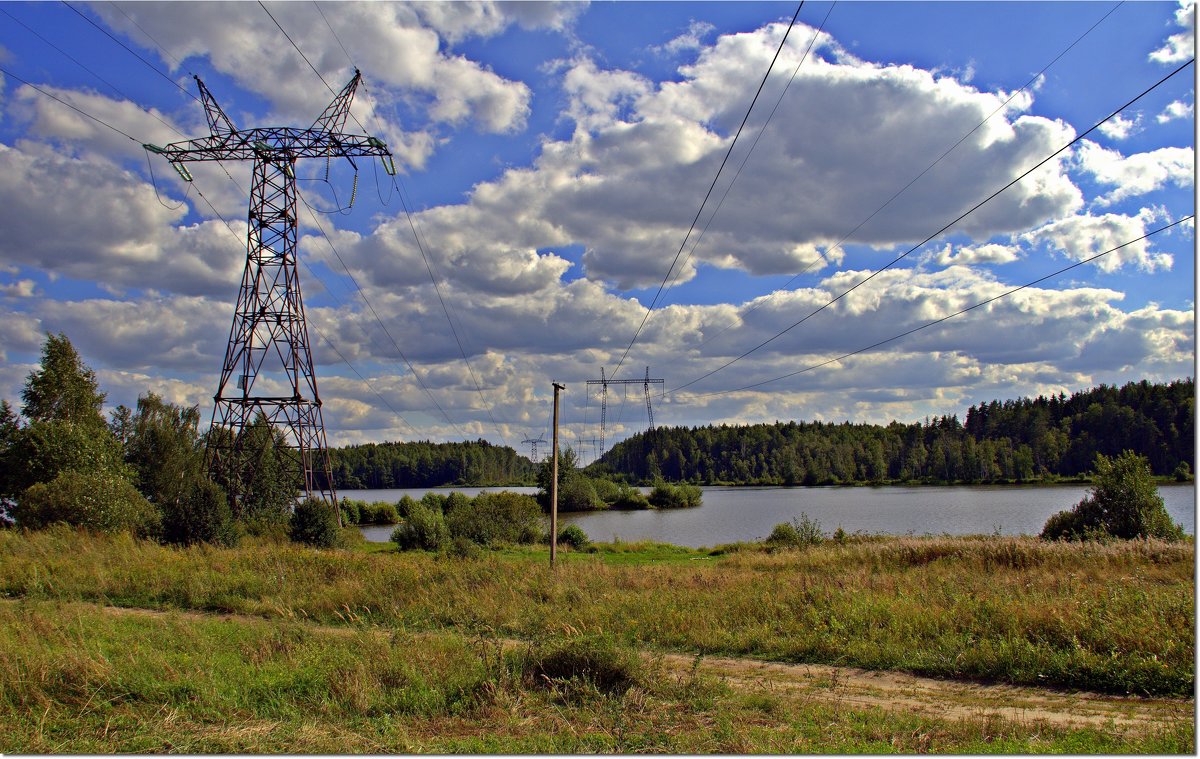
(552, 159)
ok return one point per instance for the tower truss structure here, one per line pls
(533, 456)
(268, 367)
(604, 383)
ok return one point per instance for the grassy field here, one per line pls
(271, 648)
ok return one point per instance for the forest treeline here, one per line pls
(1043, 438)
(425, 464)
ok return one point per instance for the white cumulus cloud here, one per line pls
(1179, 47)
(1139, 173)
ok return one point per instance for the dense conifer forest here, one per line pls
(425, 464)
(1042, 438)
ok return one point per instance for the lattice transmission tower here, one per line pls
(604, 383)
(268, 367)
(533, 447)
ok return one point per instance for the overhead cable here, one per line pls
(960, 312)
(708, 194)
(753, 145)
(298, 50)
(363, 295)
(759, 303)
(940, 231)
(408, 214)
(78, 110)
(445, 310)
(132, 52)
(149, 36)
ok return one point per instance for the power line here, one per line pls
(132, 52)
(64, 53)
(149, 36)
(374, 313)
(78, 110)
(708, 194)
(331, 31)
(753, 145)
(445, 310)
(966, 213)
(412, 225)
(152, 67)
(298, 50)
(338, 255)
(759, 304)
(91, 71)
(960, 312)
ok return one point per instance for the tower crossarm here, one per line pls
(277, 143)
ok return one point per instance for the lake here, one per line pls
(731, 514)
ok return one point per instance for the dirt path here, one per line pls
(927, 696)
(858, 688)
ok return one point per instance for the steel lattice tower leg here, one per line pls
(603, 405)
(649, 411)
(268, 365)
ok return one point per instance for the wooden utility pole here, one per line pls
(554, 481)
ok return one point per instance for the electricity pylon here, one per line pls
(534, 444)
(604, 382)
(268, 367)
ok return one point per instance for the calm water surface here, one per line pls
(732, 514)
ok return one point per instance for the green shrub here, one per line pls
(455, 500)
(350, 537)
(1123, 503)
(464, 548)
(574, 536)
(435, 501)
(578, 494)
(424, 529)
(380, 513)
(313, 522)
(606, 490)
(630, 498)
(1182, 473)
(667, 496)
(351, 510)
(269, 523)
(101, 502)
(203, 516)
(405, 506)
(493, 518)
(801, 531)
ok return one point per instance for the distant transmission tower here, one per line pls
(581, 444)
(604, 382)
(268, 366)
(534, 444)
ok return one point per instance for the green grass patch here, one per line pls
(79, 678)
(1116, 618)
